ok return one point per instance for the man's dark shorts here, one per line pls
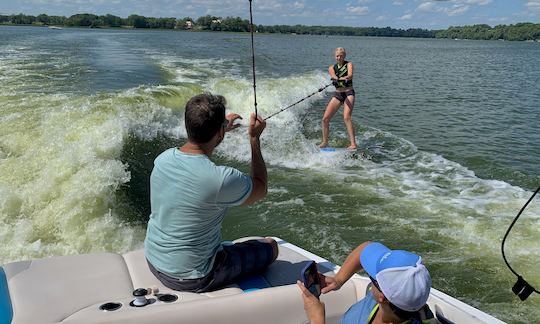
(232, 263)
(342, 96)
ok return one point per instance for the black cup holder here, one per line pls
(167, 298)
(110, 307)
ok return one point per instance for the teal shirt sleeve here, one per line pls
(236, 187)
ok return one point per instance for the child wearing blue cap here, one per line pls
(399, 292)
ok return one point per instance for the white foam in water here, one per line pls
(194, 70)
(60, 169)
(471, 210)
(295, 201)
(60, 175)
(325, 198)
(279, 190)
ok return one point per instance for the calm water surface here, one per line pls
(449, 129)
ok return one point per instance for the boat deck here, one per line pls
(73, 289)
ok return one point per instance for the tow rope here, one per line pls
(299, 101)
(253, 57)
(521, 288)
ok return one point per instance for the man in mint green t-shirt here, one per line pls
(189, 197)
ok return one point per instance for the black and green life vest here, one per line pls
(340, 72)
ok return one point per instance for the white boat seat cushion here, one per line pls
(61, 286)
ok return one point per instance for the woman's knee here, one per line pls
(325, 120)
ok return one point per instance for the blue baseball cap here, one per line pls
(401, 276)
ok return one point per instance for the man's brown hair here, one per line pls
(204, 116)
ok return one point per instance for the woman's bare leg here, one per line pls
(330, 111)
(347, 118)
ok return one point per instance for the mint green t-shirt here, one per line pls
(189, 196)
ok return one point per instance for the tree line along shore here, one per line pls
(516, 32)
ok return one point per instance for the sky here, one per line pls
(433, 14)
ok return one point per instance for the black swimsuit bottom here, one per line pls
(341, 96)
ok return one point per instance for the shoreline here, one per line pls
(521, 31)
(131, 28)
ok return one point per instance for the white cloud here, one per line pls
(471, 2)
(299, 5)
(406, 17)
(498, 20)
(456, 10)
(398, 3)
(533, 5)
(459, 6)
(358, 10)
(475, 2)
(426, 6)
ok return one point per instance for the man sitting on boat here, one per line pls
(189, 197)
(400, 286)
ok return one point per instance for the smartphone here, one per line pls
(310, 278)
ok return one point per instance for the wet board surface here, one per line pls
(342, 151)
(337, 150)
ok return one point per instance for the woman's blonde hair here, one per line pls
(340, 50)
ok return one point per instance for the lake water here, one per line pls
(449, 130)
